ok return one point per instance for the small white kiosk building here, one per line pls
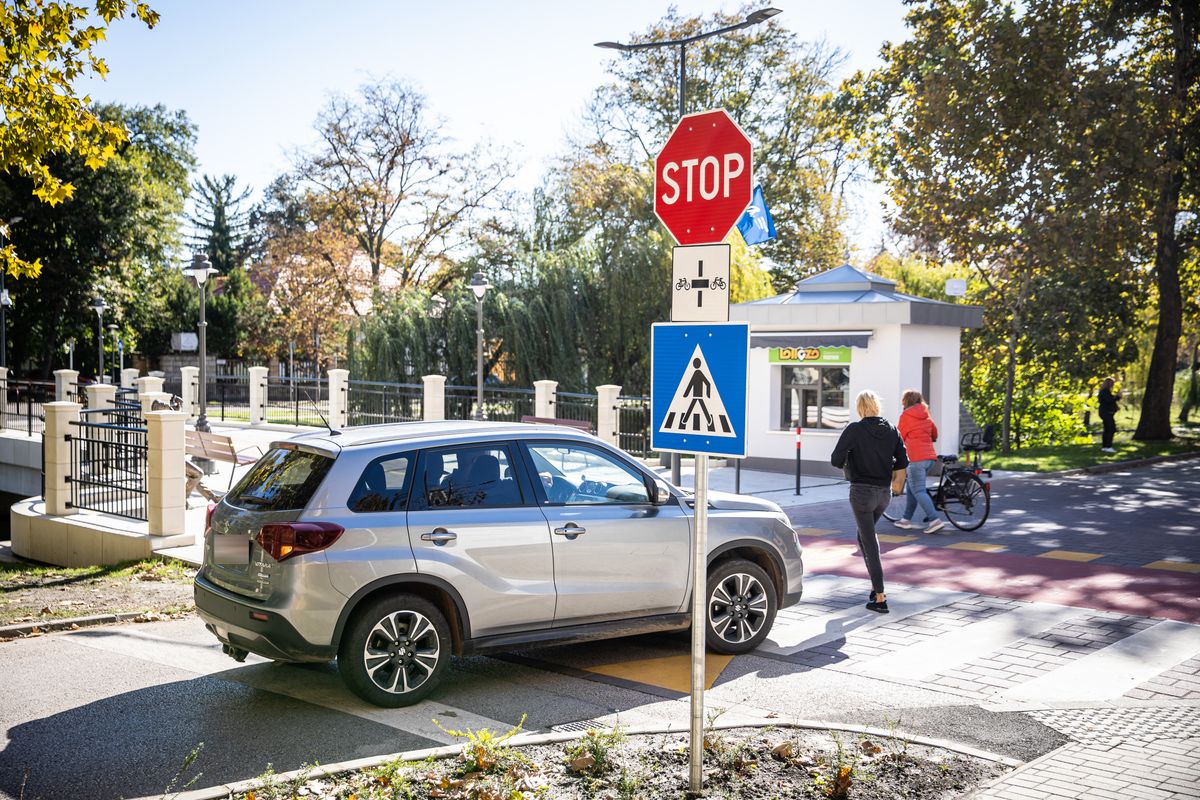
(814, 349)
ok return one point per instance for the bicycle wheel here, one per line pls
(965, 501)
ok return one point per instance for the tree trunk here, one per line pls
(1009, 379)
(1155, 420)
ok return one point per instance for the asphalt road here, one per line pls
(111, 712)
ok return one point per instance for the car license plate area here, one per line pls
(231, 550)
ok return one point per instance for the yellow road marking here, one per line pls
(1175, 566)
(667, 672)
(891, 537)
(814, 531)
(982, 548)
(1070, 555)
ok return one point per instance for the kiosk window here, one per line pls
(815, 397)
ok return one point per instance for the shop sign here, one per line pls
(809, 355)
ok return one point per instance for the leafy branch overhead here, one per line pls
(46, 48)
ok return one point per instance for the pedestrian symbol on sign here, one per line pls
(696, 406)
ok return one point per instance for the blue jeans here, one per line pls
(918, 473)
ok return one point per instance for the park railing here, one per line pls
(22, 408)
(227, 397)
(296, 401)
(108, 464)
(633, 425)
(378, 402)
(576, 406)
(499, 404)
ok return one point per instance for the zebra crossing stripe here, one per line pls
(1112, 671)
(965, 644)
(793, 635)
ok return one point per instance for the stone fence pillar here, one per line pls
(129, 377)
(149, 383)
(434, 403)
(258, 395)
(339, 387)
(165, 478)
(544, 393)
(57, 464)
(607, 419)
(149, 398)
(100, 395)
(189, 390)
(64, 384)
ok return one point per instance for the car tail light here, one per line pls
(208, 517)
(284, 540)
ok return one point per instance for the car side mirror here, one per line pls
(660, 493)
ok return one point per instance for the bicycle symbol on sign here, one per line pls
(683, 284)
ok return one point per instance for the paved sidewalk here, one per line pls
(1116, 753)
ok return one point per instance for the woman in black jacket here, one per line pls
(870, 449)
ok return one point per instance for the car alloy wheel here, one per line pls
(741, 606)
(394, 650)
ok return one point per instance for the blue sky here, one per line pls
(253, 74)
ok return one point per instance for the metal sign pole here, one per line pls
(797, 459)
(699, 622)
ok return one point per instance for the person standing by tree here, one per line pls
(1108, 414)
(871, 449)
(919, 433)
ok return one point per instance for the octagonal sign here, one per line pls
(702, 178)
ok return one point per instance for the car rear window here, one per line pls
(282, 480)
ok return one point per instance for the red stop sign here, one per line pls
(702, 178)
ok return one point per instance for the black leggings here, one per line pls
(1110, 428)
(868, 504)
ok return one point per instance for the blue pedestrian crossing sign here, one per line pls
(698, 387)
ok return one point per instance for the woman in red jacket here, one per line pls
(919, 434)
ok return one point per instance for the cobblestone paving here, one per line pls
(1041, 653)
(905, 632)
(1181, 682)
(1164, 769)
(1110, 725)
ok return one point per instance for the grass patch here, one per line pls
(1075, 456)
(17, 575)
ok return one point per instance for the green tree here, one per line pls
(1162, 39)
(46, 48)
(115, 237)
(220, 224)
(1008, 139)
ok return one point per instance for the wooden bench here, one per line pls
(215, 447)
(578, 424)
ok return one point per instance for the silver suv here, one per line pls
(392, 547)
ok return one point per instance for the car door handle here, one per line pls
(439, 536)
(570, 531)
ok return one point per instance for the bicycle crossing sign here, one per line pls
(698, 387)
(700, 283)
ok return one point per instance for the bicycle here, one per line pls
(963, 492)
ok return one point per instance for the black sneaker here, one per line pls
(879, 607)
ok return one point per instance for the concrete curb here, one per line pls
(70, 623)
(1114, 466)
(224, 791)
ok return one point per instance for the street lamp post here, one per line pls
(99, 306)
(5, 300)
(201, 268)
(699, 612)
(112, 334)
(479, 286)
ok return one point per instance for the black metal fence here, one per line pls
(108, 464)
(499, 404)
(633, 425)
(22, 408)
(580, 407)
(296, 401)
(376, 402)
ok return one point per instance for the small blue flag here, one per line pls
(756, 224)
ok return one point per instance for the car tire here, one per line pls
(741, 606)
(395, 650)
